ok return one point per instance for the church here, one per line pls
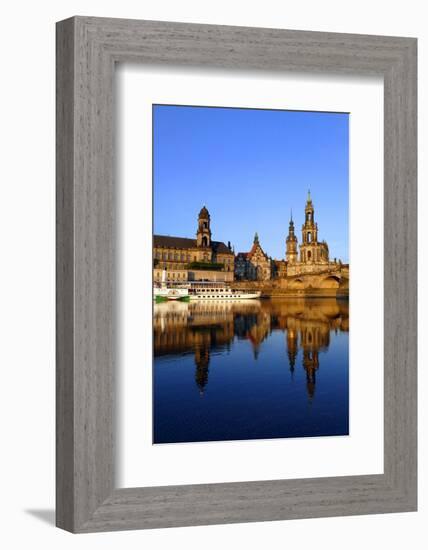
(203, 259)
(314, 254)
(311, 257)
(200, 259)
(254, 265)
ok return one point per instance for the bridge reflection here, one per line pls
(199, 328)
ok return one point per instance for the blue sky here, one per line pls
(250, 167)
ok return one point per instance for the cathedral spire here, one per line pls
(291, 242)
(291, 225)
(256, 238)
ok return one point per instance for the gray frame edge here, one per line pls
(64, 274)
(87, 49)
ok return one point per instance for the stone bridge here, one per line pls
(329, 279)
(329, 282)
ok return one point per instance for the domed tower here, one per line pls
(203, 235)
(291, 243)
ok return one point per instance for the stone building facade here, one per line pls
(254, 265)
(314, 254)
(203, 259)
(310, 257)
(291, 244)
(200, 259)
(279, 269)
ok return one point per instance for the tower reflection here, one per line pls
(202, 361)
(199, 328)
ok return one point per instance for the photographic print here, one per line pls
(250, 274)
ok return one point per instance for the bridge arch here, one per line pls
(330, 282)
(297, 284)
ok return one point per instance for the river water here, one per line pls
(255, 369)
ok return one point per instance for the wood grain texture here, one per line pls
(64, 276)
(87, 49)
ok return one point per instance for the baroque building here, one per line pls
(306, 266)
(291, 243)
(200, 259)
(310, 258)
(314, 254)
(254, 265)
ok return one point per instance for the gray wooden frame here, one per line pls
(87, 50)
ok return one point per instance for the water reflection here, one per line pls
(199, 327)
(250, 370)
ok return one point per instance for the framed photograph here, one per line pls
(232, 322)
(236, 274)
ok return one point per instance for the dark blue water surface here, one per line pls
(250, 370)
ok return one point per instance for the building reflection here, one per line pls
(200, 327)
(292, 347)
(309, 329)
(202, 361)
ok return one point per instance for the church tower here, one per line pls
(291, 243)
(203, 235)
(309, 228)
(311, 250)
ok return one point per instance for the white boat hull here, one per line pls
(225, 297)
(170, 293)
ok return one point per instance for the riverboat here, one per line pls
(161, 294)
(219, 291)
(168, 291)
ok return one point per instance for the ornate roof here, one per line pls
(204, 212)
(256, 246)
